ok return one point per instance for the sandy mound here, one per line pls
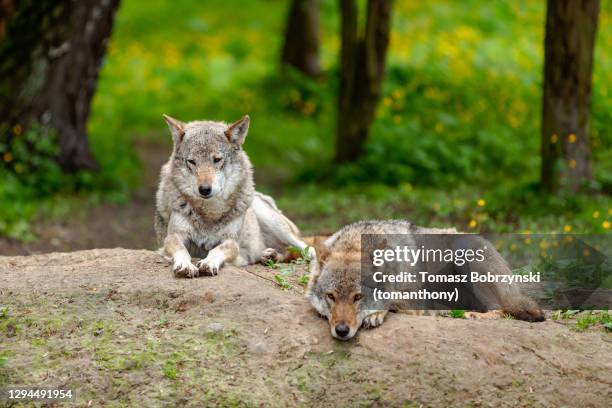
(117, 327)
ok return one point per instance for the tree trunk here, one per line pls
(301, 49)
(362, 67)
(51, 52)
(571, 26)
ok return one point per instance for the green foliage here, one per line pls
(457, 313)
(170, 370)
(280, 280)
(302, 254)
(458, 121)
(33, 181)
(593, 319)
(269, 263)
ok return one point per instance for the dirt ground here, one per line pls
(117, 327)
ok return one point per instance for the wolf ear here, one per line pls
(237, 131)
(176, 127)
(322, 252)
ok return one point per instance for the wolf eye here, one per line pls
(192, 162)
(331, 297)
(217, 159)
(357, 297)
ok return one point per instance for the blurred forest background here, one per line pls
(455, 138)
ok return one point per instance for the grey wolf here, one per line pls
(336, 291)
(207, 206)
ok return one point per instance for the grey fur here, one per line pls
(338, 272)
(235, 223)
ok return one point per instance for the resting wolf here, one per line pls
(207, 206)
(335, 288)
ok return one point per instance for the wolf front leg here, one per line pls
(374, 319)
(181, 260)
(226, 251)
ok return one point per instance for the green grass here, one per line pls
(594, 319)
(458, 121)
(457, 313)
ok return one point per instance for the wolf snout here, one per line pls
(205, 190)
(342, 330)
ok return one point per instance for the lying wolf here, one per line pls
(335, 287)
(207, 206)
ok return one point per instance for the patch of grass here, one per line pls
(304, 280)
(170, 370)
(282, 282)
(270, 263)
(302, 254)
(593, 319)
(457, 313)
(564, 314)
(4, 355)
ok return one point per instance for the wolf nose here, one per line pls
(342, 330)
(205, 190)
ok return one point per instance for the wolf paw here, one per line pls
(184, 270)
(374, 319)
(269, 254)
(312, 254)
(208, 267)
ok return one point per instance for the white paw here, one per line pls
(184, 269)
(312, 254)
(374, 319)
(209, 266)
(269, 254)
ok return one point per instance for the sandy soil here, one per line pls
(116, 326)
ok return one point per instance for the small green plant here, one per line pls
(457, 313)
(280, 277)
(304, 280)
(270, 263)
(282, 282)
(3, 312)
(563, 314)
(508, 316)
(170, 370)
(301, 253)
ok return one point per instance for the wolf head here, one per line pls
(207, 158)
(336, 292)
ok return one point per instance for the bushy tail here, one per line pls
(523, 308)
